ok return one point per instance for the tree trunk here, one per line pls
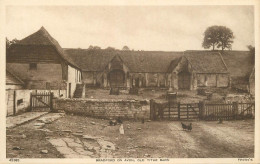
(213, 47)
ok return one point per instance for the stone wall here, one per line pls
(105, 108)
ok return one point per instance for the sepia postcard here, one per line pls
(129, 81)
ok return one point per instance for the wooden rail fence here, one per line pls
(202, 111)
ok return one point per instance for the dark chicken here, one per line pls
(188, 127)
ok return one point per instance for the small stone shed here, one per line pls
(198, 69)
(12, 81)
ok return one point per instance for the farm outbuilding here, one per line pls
(40, 62)
(12, 81)
(198, 69)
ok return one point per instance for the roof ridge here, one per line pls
(48, 40)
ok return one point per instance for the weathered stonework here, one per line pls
(105, 108)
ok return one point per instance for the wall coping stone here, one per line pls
(102, 100)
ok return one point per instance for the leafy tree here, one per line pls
(110, 48)
(210, 37)
(96, 48)
(218, 36)
(225, 38)
(125, 48)
(9, 43)
(90, 47)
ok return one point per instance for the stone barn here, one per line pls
(198, 69)
(123, 69)
(40, 62)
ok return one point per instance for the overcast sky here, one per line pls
(165, 28)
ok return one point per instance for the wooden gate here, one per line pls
(189, 111)
(41, 101)
(173, 111)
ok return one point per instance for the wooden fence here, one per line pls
(202, 111)
(219, 111)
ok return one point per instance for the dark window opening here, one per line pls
(20, 101)
(33, 66)
(48, 85)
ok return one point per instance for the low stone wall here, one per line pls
(105, 108)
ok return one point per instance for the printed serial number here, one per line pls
(245, 159)
(14, 160)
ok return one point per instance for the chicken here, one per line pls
(183, 126)
(119, 120)
(112, 122)
(188, 127)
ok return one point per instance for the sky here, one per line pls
(150, 28)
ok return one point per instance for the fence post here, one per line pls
(169, 109)
(151, 109)
(14, 102)
(201, 109)
(179, 110)
(51, 104)
(30, 101)
(235, 109)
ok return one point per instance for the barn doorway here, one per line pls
(137, 82)
(117, 78)
(184, 80)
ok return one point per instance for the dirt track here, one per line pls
(232, 139)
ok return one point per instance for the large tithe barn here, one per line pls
(123, 68)
(40, 62)
(178, 70)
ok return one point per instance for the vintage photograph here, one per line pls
(152, 82)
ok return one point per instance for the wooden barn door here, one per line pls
(116, 78)
(184, 80)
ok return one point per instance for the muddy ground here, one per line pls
(231, 139)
